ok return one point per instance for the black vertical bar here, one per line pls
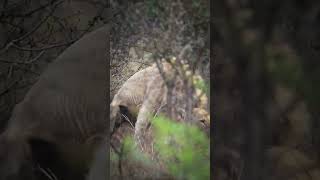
(108, 94)
(211, 61)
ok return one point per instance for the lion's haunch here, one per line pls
(65, 108)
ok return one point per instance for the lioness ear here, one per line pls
(126, 115)
(123, 110)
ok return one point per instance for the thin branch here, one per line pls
(127, 119)
(38, 25)
(11, 24)
(43, 48)
(9, 87)
(12, 43)
(22, 62)
(27, 70)
(28, 14)
(36, 58)
(48, 173)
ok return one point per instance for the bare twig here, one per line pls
(9, 87)
(127, 119)
(21, 62)
(12, 43)
(48, 173)
(44, 48)
(36, 9)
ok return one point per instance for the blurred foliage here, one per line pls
(284, 66)
(130, 152)
(184, 149)
(198, 10)
(201, 84)
(272, 61)
(287, 68)
(153, 8)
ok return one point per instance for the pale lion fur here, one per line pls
(146, 92)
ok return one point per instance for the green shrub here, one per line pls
(184, 148)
